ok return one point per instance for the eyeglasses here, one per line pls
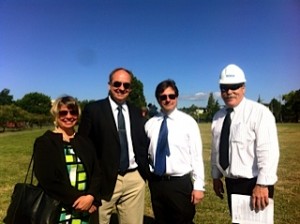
(225, 88)
(165, 96)
(118, 84)
(63, 113)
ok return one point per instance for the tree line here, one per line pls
(285, 110)
(34, 107)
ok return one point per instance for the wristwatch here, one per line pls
(262, 185)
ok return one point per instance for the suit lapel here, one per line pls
(109, 117)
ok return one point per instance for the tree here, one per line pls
(190, 110)
(275, 107)
(259, 100)
(212, 107)
(13, 115)
(5, 98)
(36, 103)
(39, 119)
(291, 108)
(198, 113)
(83, 103)
(136, 97)
(5, 116)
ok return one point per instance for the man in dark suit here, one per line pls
(122, 151)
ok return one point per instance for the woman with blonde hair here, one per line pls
(65, 164)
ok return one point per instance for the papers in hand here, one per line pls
(243, 214)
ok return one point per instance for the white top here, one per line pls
(253, 143)
(185, 146)
(114, 107)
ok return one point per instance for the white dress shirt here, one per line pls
(253, 143)
(185, 146)
(114, 107)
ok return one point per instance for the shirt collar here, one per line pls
(171, 115)
(240, 105)
(114, 105)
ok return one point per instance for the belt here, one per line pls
(123, 173)
(168, 177)
(240, 180)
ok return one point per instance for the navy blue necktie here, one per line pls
(162, 149)
(224, 141)
(124, 159)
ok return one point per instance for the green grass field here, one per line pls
(16, 149)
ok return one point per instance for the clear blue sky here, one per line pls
(60, 47)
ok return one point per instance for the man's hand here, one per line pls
(92, 209)
(218, 187)
(197, 196)
(260, 197)
(83, 203)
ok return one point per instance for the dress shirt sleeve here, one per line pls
(267, 149)
(197, 158)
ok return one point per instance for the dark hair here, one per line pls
(118, 69)
(164, 85)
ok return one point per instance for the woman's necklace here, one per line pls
(66, 137)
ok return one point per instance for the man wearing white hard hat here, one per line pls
(245, 147)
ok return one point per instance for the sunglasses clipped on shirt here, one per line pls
(226, 87)
(165, 96)
(118, 84)
(63, 113)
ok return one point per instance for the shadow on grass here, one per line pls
(147, 219)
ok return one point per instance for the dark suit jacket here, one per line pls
(97, 123)
(51, 172)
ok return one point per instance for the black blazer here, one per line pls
(97, 123)
(51, 172)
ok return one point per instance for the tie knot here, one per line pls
(229, 110)
(120, 108)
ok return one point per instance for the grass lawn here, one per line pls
(16, 149)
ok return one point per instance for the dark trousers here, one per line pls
(171, 200)
(242, 186)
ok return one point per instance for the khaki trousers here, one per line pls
(128, 200)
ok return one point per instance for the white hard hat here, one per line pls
(232, 74)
